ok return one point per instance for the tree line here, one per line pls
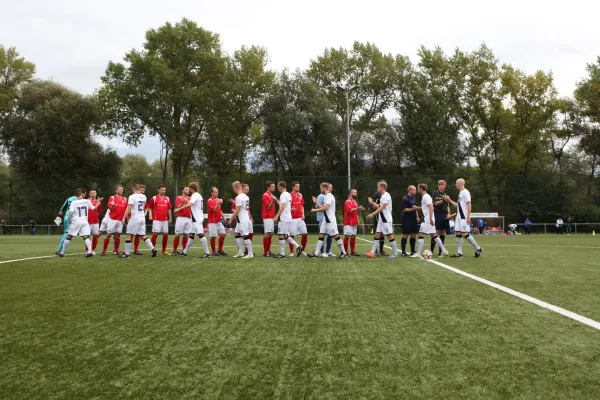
(220, 117)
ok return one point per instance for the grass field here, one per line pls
(174, 327)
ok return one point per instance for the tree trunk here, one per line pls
(176, 173)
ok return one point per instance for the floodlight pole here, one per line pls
(347, 91)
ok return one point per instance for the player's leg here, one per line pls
(353, 242)
(459, 226)
(320, 244)
(188, 244)
(176, 240)
(469, 238)
(140, 231)
(438, 240)
(156, 226)
(65, 245)
(332, 231)
(390, 235)
(222, 234)
(413, 239)
(165, 237)
(420, 245)
(246, 232)
(378, 236)
(128, 239)
(64, 235)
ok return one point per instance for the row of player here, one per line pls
(82, 220)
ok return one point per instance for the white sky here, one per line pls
(71, 41)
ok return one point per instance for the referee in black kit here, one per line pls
(441, 211)
(374, 201)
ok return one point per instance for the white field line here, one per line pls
(569, 314)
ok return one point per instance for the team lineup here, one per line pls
(431, 218)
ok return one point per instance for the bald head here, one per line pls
(412, 190)
(460, 184)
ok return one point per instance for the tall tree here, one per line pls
(168, 89)
(50, 147)
(14, 71)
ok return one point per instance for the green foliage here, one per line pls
(14, 71)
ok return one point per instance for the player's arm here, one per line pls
(430, 206)
(150, 207)
(439, 202)
(217, 204)
(281, 208)
(323, 208)
(381, 207)
(449, 200)
(127, 211)
(268, 201)
(235, 213)
(468, 212)
(303, 210)
(187, 204)
(63, 208)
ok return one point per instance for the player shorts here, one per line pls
(251, 227)
(79, 228)
(298, 227)
(460, 225)
(104, 225)
(94, 229)
(160, 226)
(269, 225)
(114, 226)
(350, 230)
(183, 225)
(243, 228)
(427, 228)
(216, 229)
(410, 227)
(329, 229)
(442, 223)
(385, 227)
(197, 228)
(136, 227)
(284, 227)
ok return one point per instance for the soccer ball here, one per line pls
(427, 254)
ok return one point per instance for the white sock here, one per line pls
(375, 246)
(149, 243)
(88, 245)
(66, 244)
(459, 243)
(420, 246)
(248, 243)
(438, 241)
(340, 244)
(204, 244)
(291, 241)
(127, 247)
(240, 244)
(188, 245)
(471, 240)
(394, 246)
(319, 247)
(282, 247)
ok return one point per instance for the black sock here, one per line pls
(413, 241)
(381, 242)
(432, 245)
(403, 245)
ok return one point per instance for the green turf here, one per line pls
(175, 328)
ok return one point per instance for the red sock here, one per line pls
(250, 236)
(94, 243)
(291, 245)
(352, 244)
(213, 243)
(165, 241)
(117, 243)
(221, 242)
(175, 244)
(105, 246)
(136, 244)
(153, 240)
(184, 243)
(346, 238)
(266, 246)
(270, 241)
(304, 240)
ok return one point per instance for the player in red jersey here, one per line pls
(183, 223)
(159, 211)
(215, 222)
(117, 205)
(268, 215)
(298, 226)
(351, 209)
(93, 220)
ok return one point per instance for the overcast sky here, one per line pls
(71, 41)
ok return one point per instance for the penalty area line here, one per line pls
(559, 310)
(37, 258)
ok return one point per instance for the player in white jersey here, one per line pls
(136, 211)
(329, 224)
(384, 225)
(241, 216)
(284, 216)
(463, 219)
(196, 203)
(428, 223)
(78, 223)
